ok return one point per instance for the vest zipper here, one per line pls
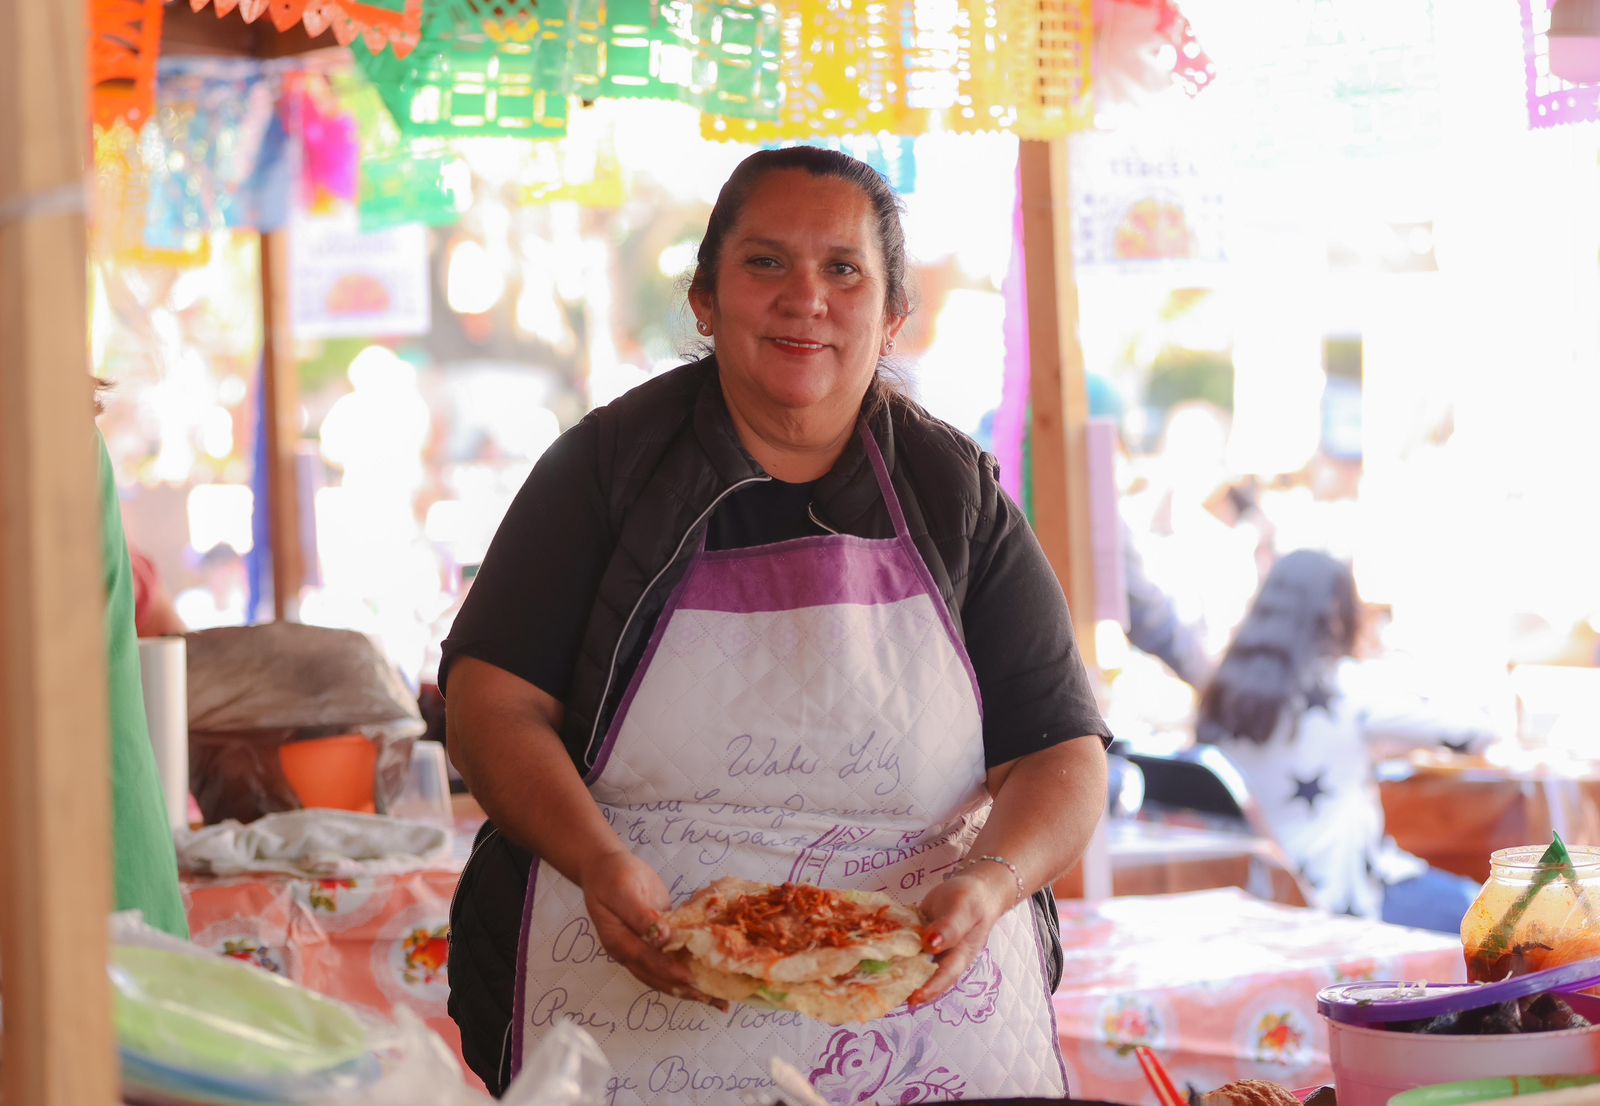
(812, 515)
(471, 856)
(611, 671)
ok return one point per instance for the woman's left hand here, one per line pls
(1045, 807)
(959, 913)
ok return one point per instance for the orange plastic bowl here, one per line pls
(337, 772)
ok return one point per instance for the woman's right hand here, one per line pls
(626, 900)
(504, 731)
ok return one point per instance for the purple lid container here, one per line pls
(1397, 1001)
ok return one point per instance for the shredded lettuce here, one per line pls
(872, 967)
(769, 995)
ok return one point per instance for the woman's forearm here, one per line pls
(1046, 806)
(503, 740)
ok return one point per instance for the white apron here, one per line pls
(804, 711)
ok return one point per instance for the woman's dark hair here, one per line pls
(1305, 614)
(819, 163)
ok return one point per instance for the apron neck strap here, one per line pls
(881, 472)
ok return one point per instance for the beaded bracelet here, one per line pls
(966, 862)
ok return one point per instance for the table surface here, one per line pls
(1153, 858)
(1245, 1008)
(373, 942)
(1454, 810)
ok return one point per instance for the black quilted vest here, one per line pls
(668, 453)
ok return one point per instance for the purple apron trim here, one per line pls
(673, 602)
(519, 1011)
(1049, 998)
(811, 545)
(903, 535)
(789, 576)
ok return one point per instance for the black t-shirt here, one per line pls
(529, 605)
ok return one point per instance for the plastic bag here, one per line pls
(202, 1029)
(320, 844)
(253, 689)
(198, 1028)
(567, 1069)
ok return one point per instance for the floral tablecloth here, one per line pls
(1221, 985)
(376, 943)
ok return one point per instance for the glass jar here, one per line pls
(1530, 916)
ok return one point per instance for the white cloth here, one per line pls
(805, 713)
(325, 844)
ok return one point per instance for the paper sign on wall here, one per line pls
(349, 284)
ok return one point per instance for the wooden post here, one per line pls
(1060, 401)
(1059, 394)
(55, 790)
(281, 381)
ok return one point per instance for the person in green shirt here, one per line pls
(146, 864)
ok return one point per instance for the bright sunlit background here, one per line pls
(1349, 306)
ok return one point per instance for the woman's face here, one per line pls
(798, 313)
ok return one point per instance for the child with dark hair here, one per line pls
(1295, 714)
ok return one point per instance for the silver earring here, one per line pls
(703, 327)
(888, 346)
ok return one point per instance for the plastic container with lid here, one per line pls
(1374, 1060)
(1532, 914)
(1371, 1065)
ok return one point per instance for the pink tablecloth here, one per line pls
(1223, 986)
(375, 943)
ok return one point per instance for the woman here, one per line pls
(1295, 714)
(738, 623)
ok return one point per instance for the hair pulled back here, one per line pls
(1305, 615)
(736, 191)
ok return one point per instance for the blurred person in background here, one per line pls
(1298, 715)
(153, 612)
(219, 598)
(1154, 623)
(376, 435)
(1155, 626)
(145, 862)
(1202, 536)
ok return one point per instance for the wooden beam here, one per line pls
(1058, 389)
(203, 33)
(1059, 398)
(55, 789)
(280, 378)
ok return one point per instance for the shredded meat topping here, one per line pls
(799, 918)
